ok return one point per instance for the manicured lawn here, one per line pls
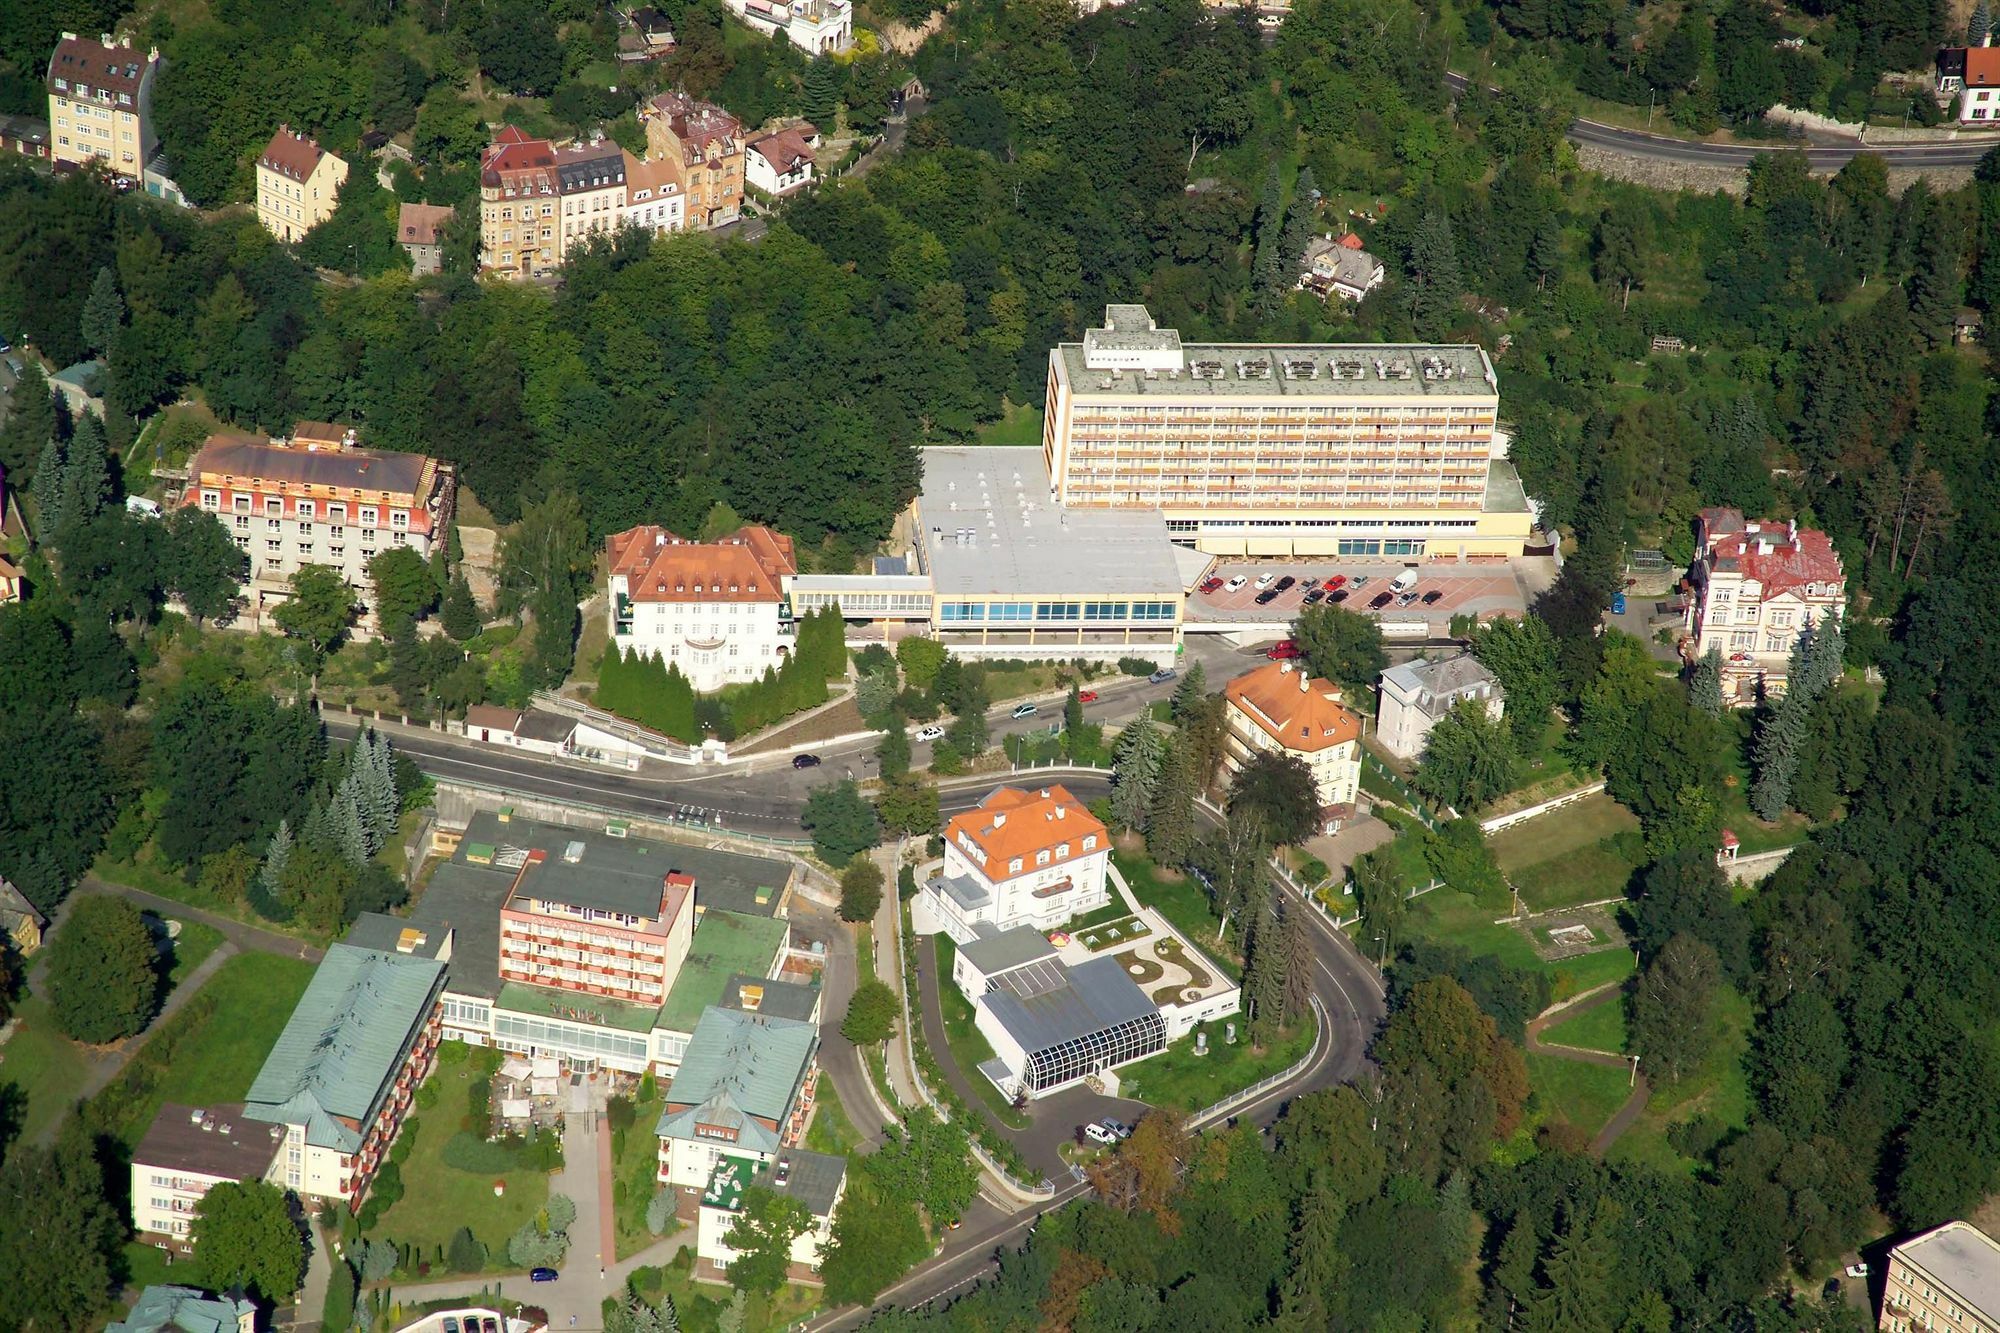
(1179, 1078)
(1111, 911)
(438, 1199)
(969, 1047)
(196, 942)
(1590, 874)
(1583, 1094)
(700, 1305)
(1181, 899)
(147, 1266)
(1016, 426)
(635, 1166)
(1598, 1029)
(1752, 833)
(831, 1132)
(1718, 1089)
(45, 1065)
(1451, 917)
(1012, 682)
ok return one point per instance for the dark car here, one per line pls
(1266, 597)
(1381, 599)
(1433, 597)
(451, 1324)
(805, 761)
(1286, 582)
(1315, 597)
(541, 1275)
(1339, 596)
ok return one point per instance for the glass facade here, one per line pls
(1096, 1051)
(572, 1038)
(1058, 613)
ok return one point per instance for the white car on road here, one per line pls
(930, 732)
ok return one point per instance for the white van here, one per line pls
(139, 504)
(1404, 581)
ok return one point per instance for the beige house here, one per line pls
(297, 182)
(419, 229)
(20, 923)
(101, 103)
(1944, 1279)
(188, 1151)
(1282, 708)
(1416, 694)
(1757, 588)
(708, 143)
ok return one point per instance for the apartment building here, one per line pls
(817, 27)
(517, 206)
(1289, 450)
(318, 498)
(420, 231)
(1282, 708)
(1019, 858)
(590, 182)
(297, 184)
(745, 1089)
(341, 1076)
(655, 195)
(1415, 695)
(815, 1180)
(101, 103)
(708, 143)
(1758, 587)
(717, 610)
(595, 921)
(1944, 1279)
(187, 1151)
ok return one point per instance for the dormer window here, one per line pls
(1062, 852)
(1090, 842)
(1042, 857)
(1014, 866)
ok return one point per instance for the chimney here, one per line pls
(1061, 810)
(1045, 793)
(1792, 531)
(1305, 682)
(999, 818)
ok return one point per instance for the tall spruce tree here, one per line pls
(1264, 973)
(1433, 281)
(1135, 772)
(1170, 820)
(277, 854)
(1705, 683)
(1980, 25)
(103, 313)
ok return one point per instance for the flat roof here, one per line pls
(1963, 1258)
(725, 943)
(1504, 492)
(813, 1178)
(781, 999)
(1276, 370)
(996, 953)
(987, 526)
(573, 1007)
(1054, 1003)
(209, 1140)
(465, 901)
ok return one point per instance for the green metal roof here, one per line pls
(724, 944)
(597, 1010)
(339, 1052)
(740, 1069)
(184, 1308)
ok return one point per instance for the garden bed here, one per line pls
(1112, 934)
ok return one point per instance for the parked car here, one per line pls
(1337, 581)
(1308, 583)
(1266, 597)
(1432, 598)
(1406, 598)
(1210, 584)
(1286, 582)
(1097, 1133)
(1235, 583)
(1284, 650)
(1266, 580)
(542, 1275)
(1339, 595)
(1023, 710)
(1381, 599)
(1358, 581)
(1858, 1270)
(805, 761)
(1314, 598)
(1270, 20)
(1086, 696)
(1161, 676)
(1617, 603)
(451, 1324)
(1119, 1129)
(930, 731)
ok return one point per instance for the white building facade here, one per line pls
(1416, 694)
(717, 610)
(1020, 858)
(1758, 587)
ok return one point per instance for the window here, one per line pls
(271, 545)
(1042, 857)
(211, 500)
(273, 505)
(1090, 842)
(337, 511)
(338, 532)
(273, 524)
(367, 516)
(399, 518)
(242, 521)
(305, 508)
(1014, 866)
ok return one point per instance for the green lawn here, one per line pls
(1451, 917)
(700, 1305)
(147, 1266)
(1717, 1089)
(635, 1168)
(1583, 1094)
(1405, 852)
(1179, 1078)
(1598, 1029)
(438, 1199)
(969, 1047)
(831, 1132)
(143, 875)
(196, 942)
(1181, 899)
(1581, 853)
(1560, 832)
(1012, 682)
(1016, 426)
(45, 1065)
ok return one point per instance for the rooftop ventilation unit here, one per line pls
(1252, 368)
(573, 851)
(1205, 370)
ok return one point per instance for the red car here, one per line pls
(1283, 651)
(1337, 581)
(1211, 584)
(1087, 697)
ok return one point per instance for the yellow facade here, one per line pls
(290, 208)
(100, 104)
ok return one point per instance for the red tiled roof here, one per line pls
(291, 155)
(102, 68)
(1013, 822)
(517, 160)
(1351, 242)
(418, 224)
(783, 150)
(1982, 67)
(749, 565)
(698, 124)
(1780, 558)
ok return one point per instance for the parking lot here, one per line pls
(1484, 589)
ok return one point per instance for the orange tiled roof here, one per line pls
(1294, 709)
(648, 179)
(1013, 822)
(749, 565)
(291, 155)
(1982, 67)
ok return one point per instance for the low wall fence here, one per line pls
(1245, 1096)
(1498, 822)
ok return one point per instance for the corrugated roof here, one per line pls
(340, 1050)
(1093, 996)
(740, 1069)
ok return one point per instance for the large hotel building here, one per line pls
(616, 928)
(1365, 450)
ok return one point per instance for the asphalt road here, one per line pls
(1822, 157)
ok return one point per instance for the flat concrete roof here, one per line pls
(1286, 370)
(725, 943)
(1963, 1258)
(988, 527)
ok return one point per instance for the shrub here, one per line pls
(660, 1212)
(1135, 666)
(466, 1151)
(467, 1255)
(622, 1114)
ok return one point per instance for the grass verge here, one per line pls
(1585, 1095)
(1179, 1078)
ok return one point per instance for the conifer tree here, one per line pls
(1979, 25)
(1264, 974)
(1136, 762)
(47, 486)
(277, 854)
(1170, 820)
(86, 474)
(103, 312)
(1434, 283)
(1705, 683)
(460, 612)
(1189, 694)
(349, 836)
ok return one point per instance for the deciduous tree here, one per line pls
(103, 967)
(1341, 646)
(245, 1237)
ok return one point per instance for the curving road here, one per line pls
(1822, 157)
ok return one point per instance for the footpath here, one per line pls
(1609, 993)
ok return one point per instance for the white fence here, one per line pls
(1498, 822)
(1243, 1097)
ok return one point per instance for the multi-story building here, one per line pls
(655, 197)
(1944, 1279)
(781, 163)
(318, 498)
(1973, 73)
(1019, 858)
(1758, 587)
(101, 103)
(590, 179)
(419, 230)
(596, 925)
(717, 610)
(708, 143)
(817, 27)
(342, 1074)
(1275, 449)
(517, 206)
(745, 1089)
(297, 184)
(185, 1310)
(1416, 694)
(186, 1152)
(815, 1180)
(1282, 708)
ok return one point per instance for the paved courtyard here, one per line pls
(1483, 588)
